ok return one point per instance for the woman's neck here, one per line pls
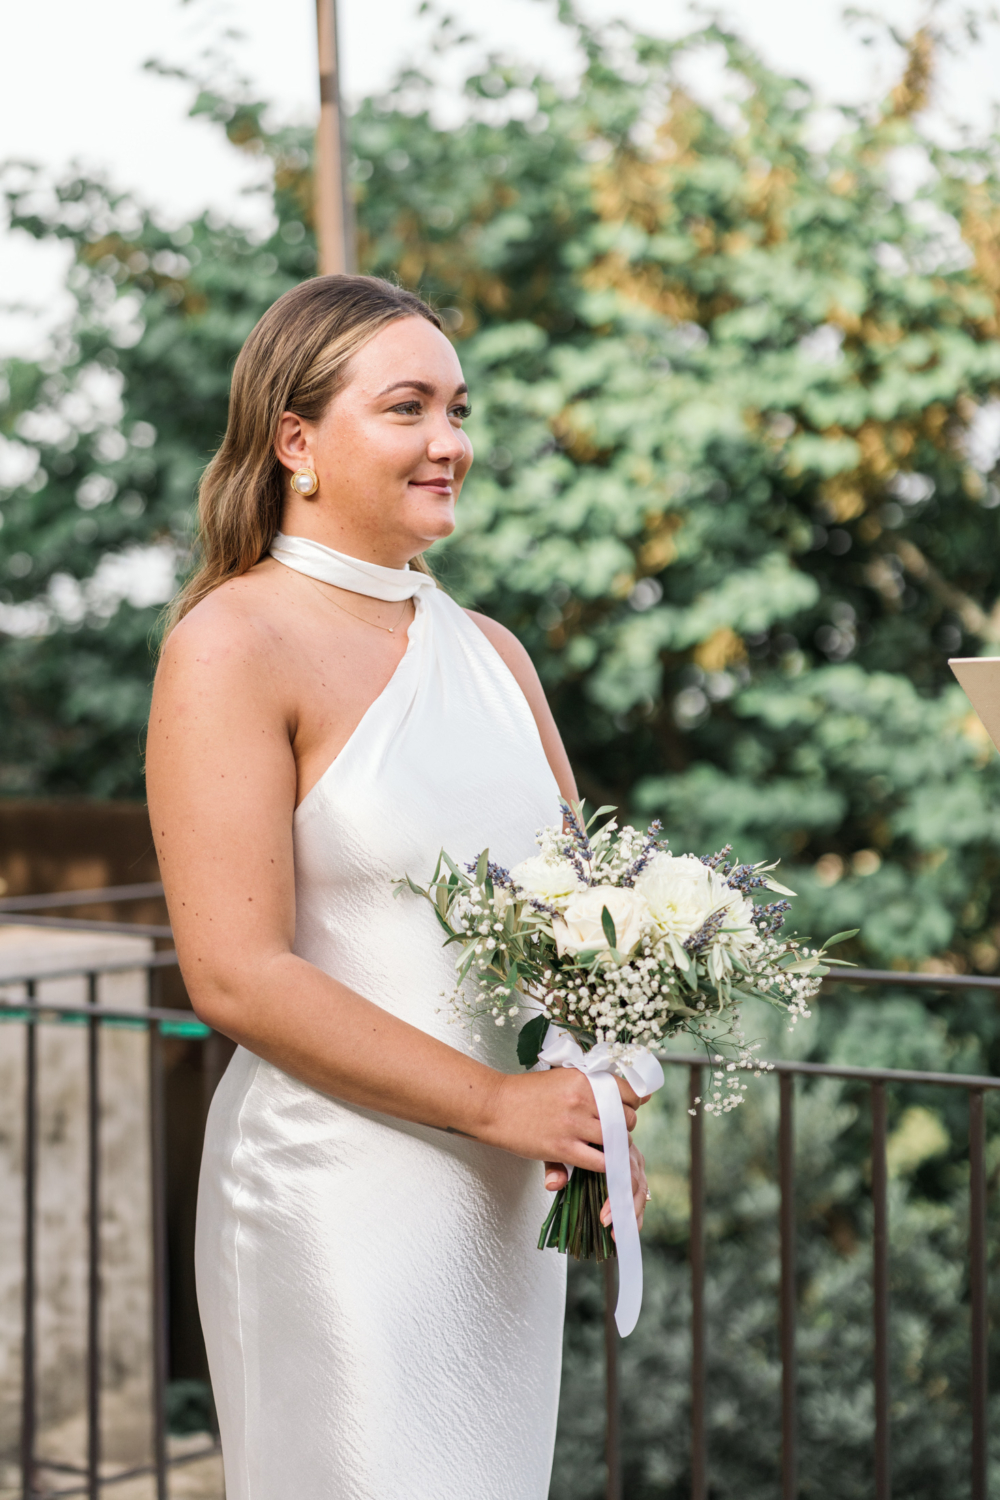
(389, 551)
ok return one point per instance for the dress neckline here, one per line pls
(317, 561)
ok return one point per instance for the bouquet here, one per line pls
(599, 948)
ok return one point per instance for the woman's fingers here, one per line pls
(628, 1093)
(639, 1189)
(556, 1176)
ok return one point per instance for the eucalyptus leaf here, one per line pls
(530, 1040)
(840, 937)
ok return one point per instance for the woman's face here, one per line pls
(389, 450)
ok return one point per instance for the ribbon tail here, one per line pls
(618, 1170)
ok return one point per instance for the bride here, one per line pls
(379, 1323)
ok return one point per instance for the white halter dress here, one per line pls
(379, 1323)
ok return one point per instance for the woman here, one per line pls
(379, 1322)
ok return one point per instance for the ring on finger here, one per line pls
(648, 1196)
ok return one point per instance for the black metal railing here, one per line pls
(161, 1022)
(976, 1087)
(92, 1477)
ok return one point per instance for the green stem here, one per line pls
(543, 1238)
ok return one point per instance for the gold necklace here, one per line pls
(390, 629)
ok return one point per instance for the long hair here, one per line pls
(294, 360)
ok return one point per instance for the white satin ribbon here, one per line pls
(644, 1074)
(391, 584)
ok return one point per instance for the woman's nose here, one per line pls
(446, 446)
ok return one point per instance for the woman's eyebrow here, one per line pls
(420, 385)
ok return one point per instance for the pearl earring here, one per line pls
(305, 482)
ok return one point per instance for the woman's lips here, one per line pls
(436, 486)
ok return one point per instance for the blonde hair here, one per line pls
(295, 360)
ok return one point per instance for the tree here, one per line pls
(733, 496)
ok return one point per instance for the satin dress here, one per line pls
(379, 1322)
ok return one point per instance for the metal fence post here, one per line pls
(93, 1247)
(612, 1432)
(28, 1392)
(699, 1457)
(157, 1144)
(977, 1278)
(880, 1285)
(789, 1414)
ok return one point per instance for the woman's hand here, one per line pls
(557, 1177)
(640, 1190)
(552, 1117)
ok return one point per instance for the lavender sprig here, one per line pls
(770, 919)
(578, 850)
(494, 872)
(706, 933)
(650, 846)
(742, 878)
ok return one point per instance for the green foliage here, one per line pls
(929, 1303)
(113, 431)
(724, 387)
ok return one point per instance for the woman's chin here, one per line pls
(435, 523)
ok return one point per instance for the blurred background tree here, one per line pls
(735, 422)
(737, 419)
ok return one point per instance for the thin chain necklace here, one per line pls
(390, 629)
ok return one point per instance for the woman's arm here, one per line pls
(221, 783)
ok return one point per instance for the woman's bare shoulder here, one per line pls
(506, 643)
(240, 622)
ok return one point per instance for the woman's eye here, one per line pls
(408, 408)
(461, 412)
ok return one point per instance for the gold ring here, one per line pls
(648, 1195)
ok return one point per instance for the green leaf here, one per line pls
(481, 866)
(607, 922)
(530, 1040)
(840, 937)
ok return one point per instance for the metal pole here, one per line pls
(334, 210)
(612, 1431)
(699, 1456)
(789, 1416)
(977, 1257)
(880, 1278)
(157, 1152)
(93, 1247)
(28, 1393)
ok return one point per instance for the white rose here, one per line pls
(581, 926)
(552, 881)
(679, 892)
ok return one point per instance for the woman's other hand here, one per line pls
(556, 1177)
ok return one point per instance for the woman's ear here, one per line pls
(292, 445)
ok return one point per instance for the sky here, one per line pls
(95, 103)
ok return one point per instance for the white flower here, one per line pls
(738, 932)
(581, 926)
(552, 881)
(678, 889)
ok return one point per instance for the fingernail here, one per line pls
(605, 1216)
(551, 1180)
